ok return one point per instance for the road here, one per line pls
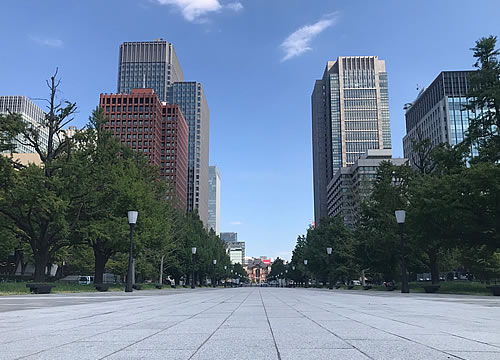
(250, 323)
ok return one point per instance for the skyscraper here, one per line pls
(155, 129)
(189, 95)
(437, 113)
(350, 115)
(31, 114)
(214, 199)
(148, 64)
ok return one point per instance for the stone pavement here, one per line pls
(250, 323)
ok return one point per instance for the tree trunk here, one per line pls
(433, 262)
(41, 259)
(100, 263)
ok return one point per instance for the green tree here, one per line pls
(483, 133)
(35, 199)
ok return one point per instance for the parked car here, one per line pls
(86, 280)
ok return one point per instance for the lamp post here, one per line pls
(286, 277)
(132, 219)
(305, 273)
(400, 218)
(225, 276)
(193, 253)
(329, 252)
(294, 275)
(232, 277)
(215, 262)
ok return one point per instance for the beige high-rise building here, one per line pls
(350, 115)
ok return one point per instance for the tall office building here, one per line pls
(191, 98)
(155, 129)
(148, 64)
(214, 199)
(31, 114)
(350, 115)
(437, 113)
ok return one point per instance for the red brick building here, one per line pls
(157, 130)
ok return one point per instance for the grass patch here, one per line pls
(19, 288)
(446, 287)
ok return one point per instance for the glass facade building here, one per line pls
(350, 115)
(438, 112)
(31, 114)
(189, 95)
(148, 64)
(214, 199)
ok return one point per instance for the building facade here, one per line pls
(236, 252)
(157, 130)
(352, 185)
(350, 115)
(191, 98)
(31, 114)
(229, 236)
(437, 113)
(148, 64)
(214, 199)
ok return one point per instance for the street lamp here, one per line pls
(193, 253)
(305, 273)
(215, 262)
(400, 218)
(232, 277)
(132, 219)
(329, 252)
(225, 276)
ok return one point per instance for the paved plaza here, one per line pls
(249, 323)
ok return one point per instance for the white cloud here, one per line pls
(47, 41)
(193, 10)
(298, 42)
(235, 6)
(236, 223)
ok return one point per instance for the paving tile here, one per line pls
(151, 354)
(476, 355)
(322, 354)
(397, 350)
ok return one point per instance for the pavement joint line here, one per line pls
(270, 327)
(386, 331)
(212, 334)
(168, 327)
(99, 333)
(323, 327)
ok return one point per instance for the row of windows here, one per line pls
(361, 125)
(360, 147)
(128, 100)
(360, 94)
(362, 135)
(360, 103)
(360, 114)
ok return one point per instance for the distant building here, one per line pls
(352, 185)
(31, 114)
(154, 129)
(214, 199)
(236, 252)
(258, 269)
(148, 64)
(350, 115)
(190, 96)
(25, 158)
(437, 113)
(229, 236)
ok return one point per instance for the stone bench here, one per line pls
(137, 286)
(101, 287)
(40, 288)
(367, 287)
(431, 288)
(159, 286)
(495, 289)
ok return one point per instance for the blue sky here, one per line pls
(257, 60)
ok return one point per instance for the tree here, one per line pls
(113, 180)
(36, 201)
(483, 133)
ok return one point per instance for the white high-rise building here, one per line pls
(214, 199)
(32, 114)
